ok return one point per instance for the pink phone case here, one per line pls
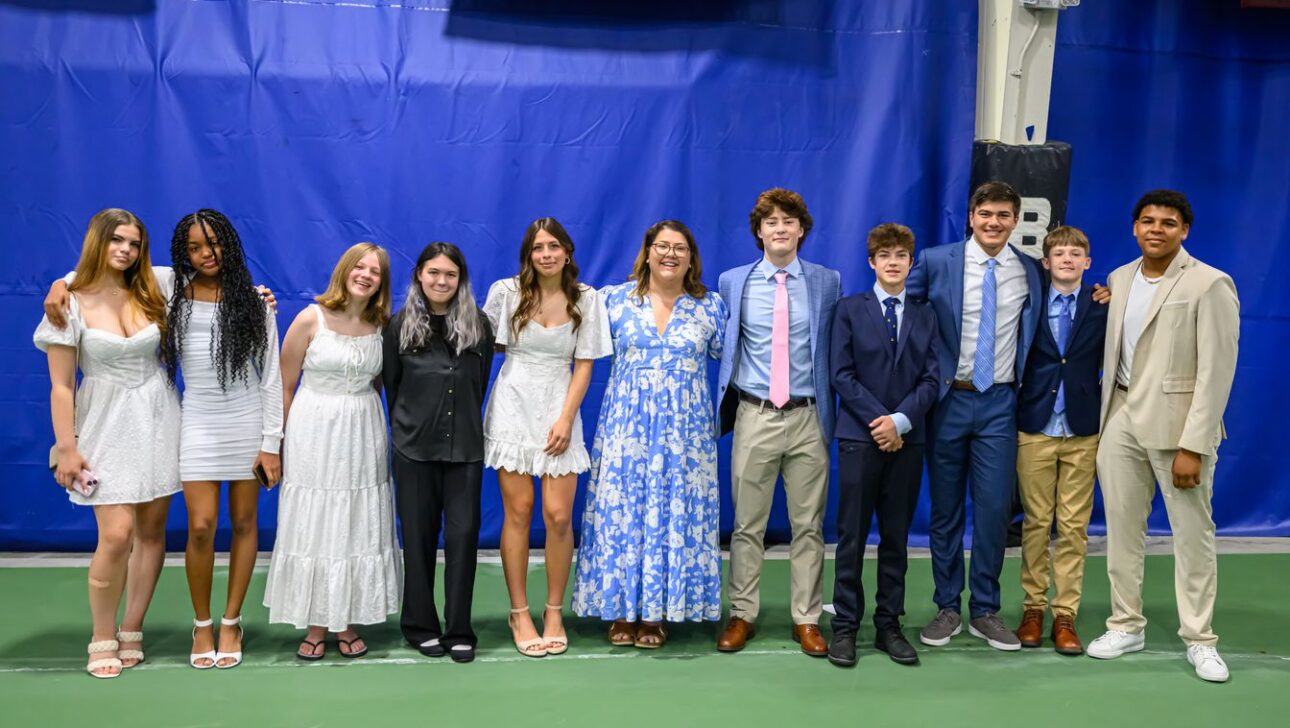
(85, 483)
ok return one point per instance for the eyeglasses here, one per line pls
(662, 249)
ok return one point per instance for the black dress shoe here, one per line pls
(892, 641)
(430, 648)
(842, 650)
(462, 653)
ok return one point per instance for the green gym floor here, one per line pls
(45, 628)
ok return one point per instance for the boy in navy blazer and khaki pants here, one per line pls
(885, 368)
(1057, 433)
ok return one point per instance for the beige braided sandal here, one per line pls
(102, 662)
(123, 655)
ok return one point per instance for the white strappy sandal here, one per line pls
(526, 647)
(556, 645)
(236, 657)
(136, 655)
(209, 655)
(102, 662)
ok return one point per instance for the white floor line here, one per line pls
(78, 666)
(1096, 546)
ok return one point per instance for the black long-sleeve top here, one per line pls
(436, 396)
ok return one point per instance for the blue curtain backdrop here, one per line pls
(315, 124)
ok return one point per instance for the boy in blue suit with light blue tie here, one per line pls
(884, 368)
(987, 296)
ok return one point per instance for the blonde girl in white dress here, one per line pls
(550, 327)
(336, 563)
(122, 425)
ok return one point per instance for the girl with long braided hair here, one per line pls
(224, 339)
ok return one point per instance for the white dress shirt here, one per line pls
(1013, 290)
(1135, 312)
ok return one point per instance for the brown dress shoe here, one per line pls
(735, 636)
(1064, 638)
(813, 644)
(1031, 631)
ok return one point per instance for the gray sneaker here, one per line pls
(991, 629)
(943, 626)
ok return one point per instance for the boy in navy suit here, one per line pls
(1057, 421)
(884, 368)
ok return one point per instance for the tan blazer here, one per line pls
(1185, 359)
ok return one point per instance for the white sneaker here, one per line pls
(1115, 643)
(1209, 666)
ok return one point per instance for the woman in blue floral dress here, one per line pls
(649, 550)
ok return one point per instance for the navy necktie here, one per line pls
(889, 314)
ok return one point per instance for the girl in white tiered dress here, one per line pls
(551, 327)
(336, 563)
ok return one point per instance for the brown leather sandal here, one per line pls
(650, 635)
(622, 633)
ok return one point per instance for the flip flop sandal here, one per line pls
(347, 643)
(312, 656)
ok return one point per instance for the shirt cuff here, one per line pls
(903, 424)
(270, 444)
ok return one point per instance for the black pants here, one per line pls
(428, 494)
(886, 483)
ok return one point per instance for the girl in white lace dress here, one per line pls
(122, 425)
(551, 328)
(335, 563)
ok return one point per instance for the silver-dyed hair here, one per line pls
(462, 326)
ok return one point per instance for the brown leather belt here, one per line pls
(961, 384)
(1121, 387)
(789, 405)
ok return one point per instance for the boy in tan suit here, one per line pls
(1170, 357)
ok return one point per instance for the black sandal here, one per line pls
(347, 643)
(311, 657)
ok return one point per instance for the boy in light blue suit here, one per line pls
(774, 393)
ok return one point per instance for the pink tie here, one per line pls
(779, 342)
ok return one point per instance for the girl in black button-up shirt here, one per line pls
(438, 352)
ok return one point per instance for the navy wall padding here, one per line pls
(315, 124)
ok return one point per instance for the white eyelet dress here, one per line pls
(127, 414)
(530, 390)
(335, 562)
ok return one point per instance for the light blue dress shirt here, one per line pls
(756, 322)
(1057, 425)
(903, 425)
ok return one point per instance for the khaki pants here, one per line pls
(1056, 481)
(1129, 474)
(768, 442)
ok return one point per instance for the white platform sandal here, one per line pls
(136, 655)
(102, 662)
(236, 657)
(194, 657)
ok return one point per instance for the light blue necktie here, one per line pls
(1063, 340)
(983, 362)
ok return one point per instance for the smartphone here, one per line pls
(85, 483)
(261, 476)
